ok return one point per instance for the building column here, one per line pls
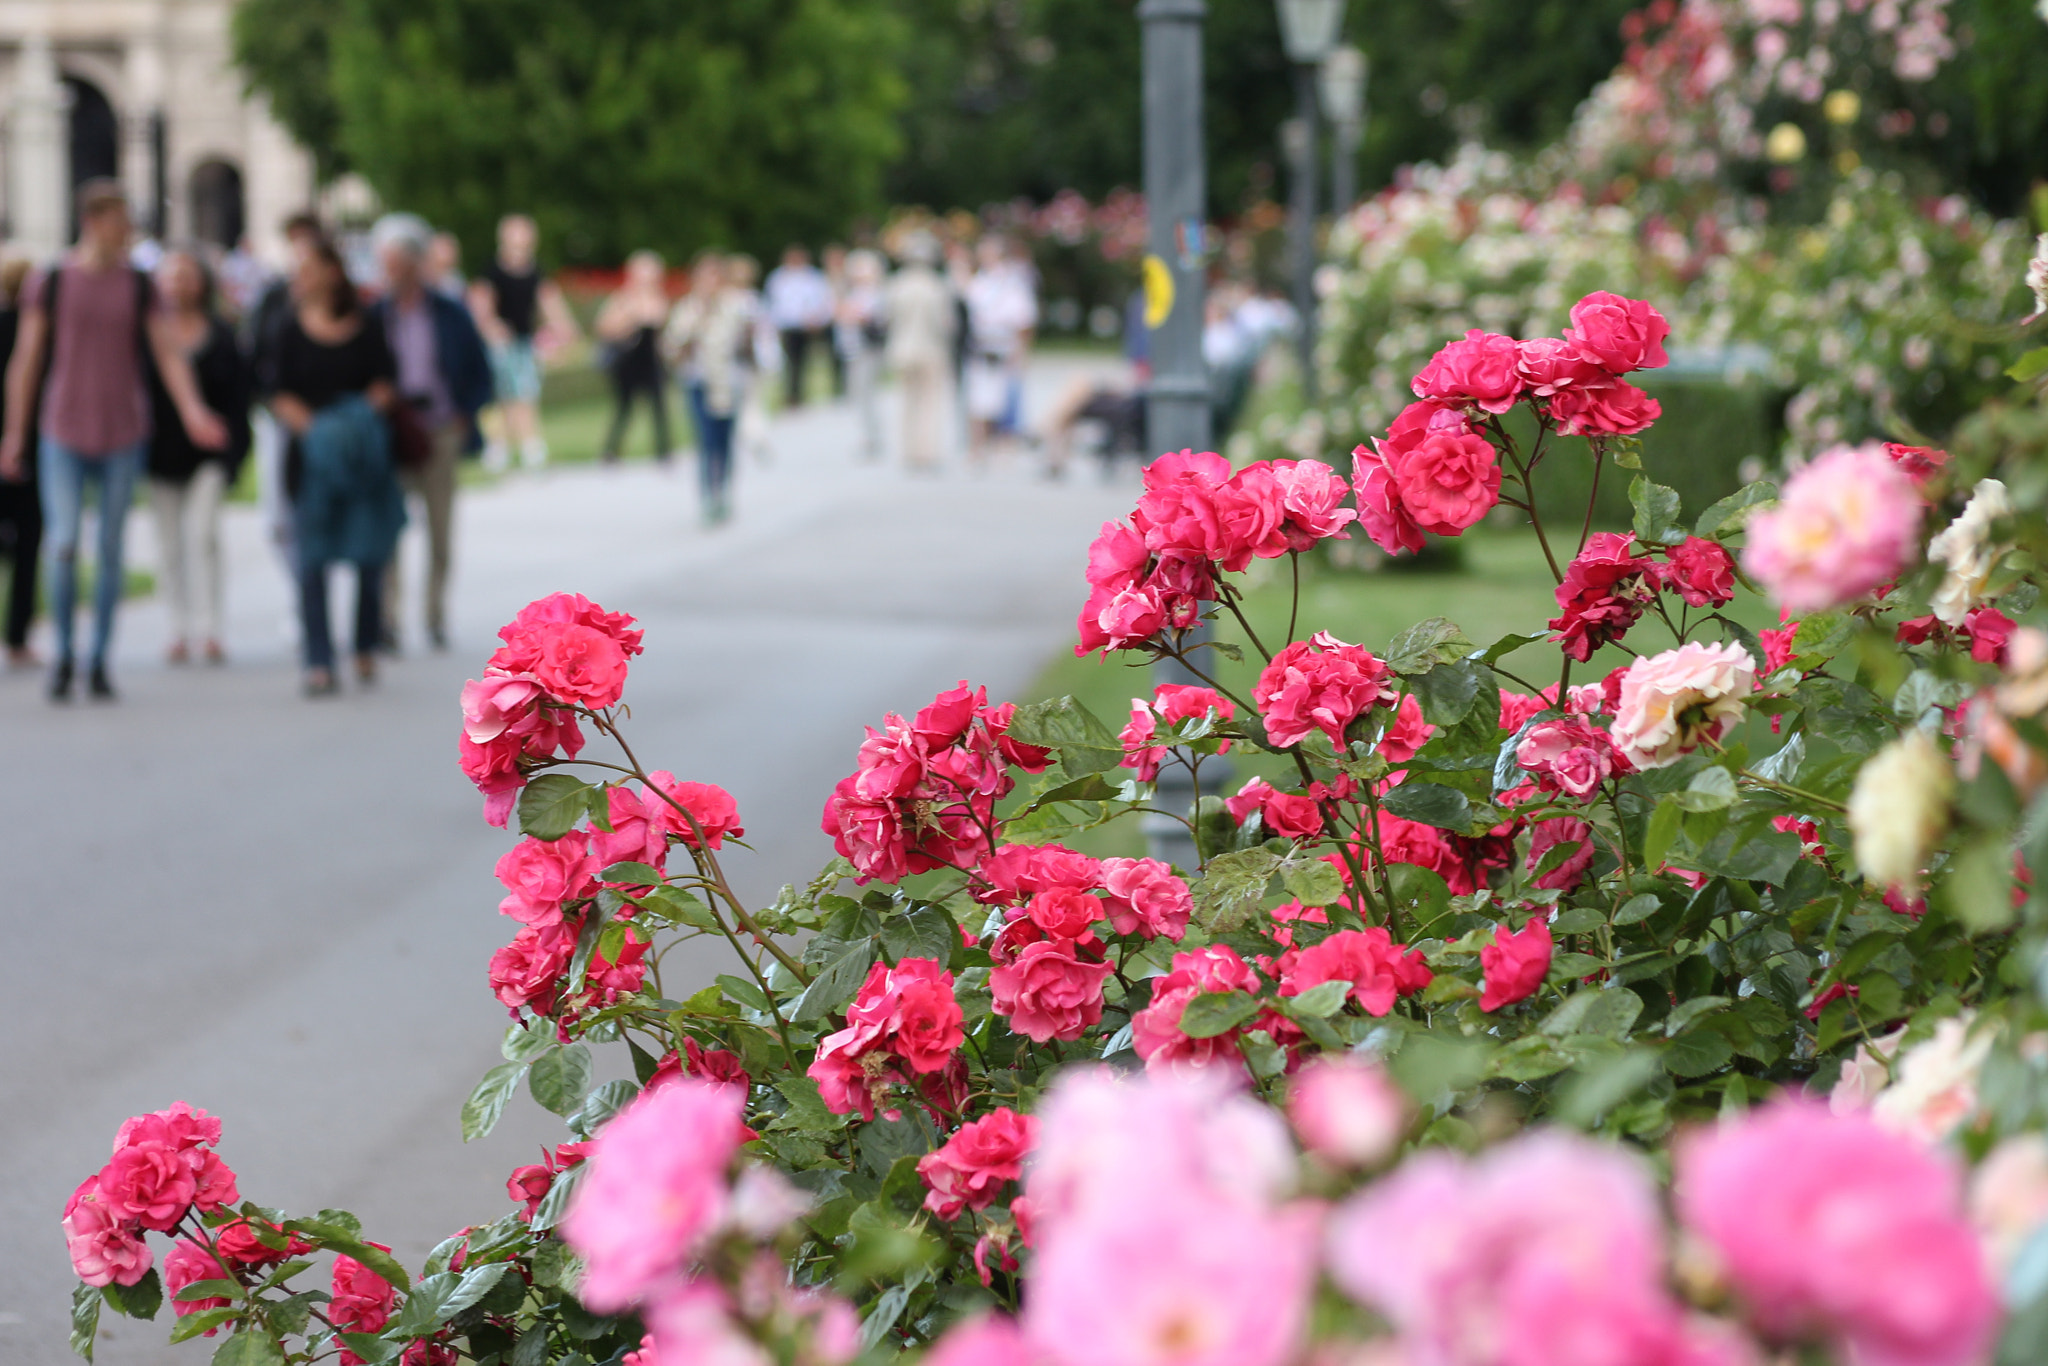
(141, 175)
(39, 155)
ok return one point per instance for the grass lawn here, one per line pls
(1503, 587)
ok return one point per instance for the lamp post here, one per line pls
(1343, 90)
(1177, 401)
(1308, 32)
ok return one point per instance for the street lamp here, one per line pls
(1308, 32)
(1343, 82)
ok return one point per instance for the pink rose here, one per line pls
(1700, 571)
(1290, 815)
(362, 1301)
(1406, 733)
(1194, 506)
(638, 833)
(186, 1263)
(1918, 463)
(1378, 969)
(148, 1182)
(527, 971)
(1672, 702)
(1347, 1111)
(1551, 365)
(497, 765)
(1145, 897)
(612, 979)
(1567, 755)
(1449, 480)
(106, 1248)
(974, 1165)
(542, 875)
(1171, 704)
(1844, 525)
(1616, 408)
(913, 1004)
(1380, 512)
(1617, 334)
(1989, 631)
(1778, 646)
(1155, 1030)
(1048, 991)
(238, 1243)
(1312, 494)
(988, 1340)
(1548, 834)
(654, 1186)
(1017, 872)
(1482, 369)
(524, 633)
(710, 806)
(1515, 963)
(1830, 1225)
(496, 702)
(1065, 912)
(579, 664)
(1319, 684)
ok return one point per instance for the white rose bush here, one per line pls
(1659, 985)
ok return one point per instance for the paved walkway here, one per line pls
(281, 910)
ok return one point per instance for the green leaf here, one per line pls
(1579, 919)
(524, 1043)
(1231, 885)
(1660, 833)
(138, 1301)
(1089, 787)
(1747, 854)
(1601, 1086)
(207, 1290)
(532, 1347)
(254, 1348)
(1711, 789)
(1216, 1012)
(1085, 745)
(1638, 908)
(806, 1109)
(559, 1080)
(926, 931)
(1446, 808)
(743, 991)
(551, 804)
(1626, 452)
(1320, 1001)
(1530, 1058)
(197, 1325)
(556, 1203)
(1448, 691)
(85, 1318)
(480, 1113)
(1978, 888)
(1430, 1065)
(437, 1299)
(679, 907)
(1697, 1053)
(1425, 645)
(339, 1237)
(882, 1316)
(1735, 508)
(836, 983)
(1507, 645)
(1419, 894)
(601, 1104)
(631, 875)
(2030, 366)
(1656, 520)
(1313, 883)
(1592, 1010)
(372, 1349)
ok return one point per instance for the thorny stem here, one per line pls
(1294, 603)
(1599, 461)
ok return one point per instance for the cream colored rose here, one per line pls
(1898, 809)
(1865, 1076)
(1964, 546)
(1673, 701)
(1934, 1086)
(2009, 1197)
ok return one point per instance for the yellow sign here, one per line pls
(1158, 292)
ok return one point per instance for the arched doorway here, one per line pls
(215, 192)
(95, 138)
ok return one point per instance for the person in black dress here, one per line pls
(187, 483)
(332, 351)
(630, 326)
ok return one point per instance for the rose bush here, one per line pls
(1391, 1070)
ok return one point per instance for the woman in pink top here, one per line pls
(93, 410)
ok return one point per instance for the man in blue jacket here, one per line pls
(444, 377)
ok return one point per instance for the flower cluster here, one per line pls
(904, 1017)
(163, 1168)
(1171, 705)
(1607, 587)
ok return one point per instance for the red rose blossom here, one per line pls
(974, 1165)
(1515, 963)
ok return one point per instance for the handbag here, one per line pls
(411, 444)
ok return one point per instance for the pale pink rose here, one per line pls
(1483, 368)
(1617, 334)
(1347, 1110)
(1864, 1076)
(106, 1249)
(691, 1324)
(1312, 495)
(1827, 1225)
(2009, 1197)
(990, 1340)
(655, 1182)
(1673, 702)
(1146, 897)
(495, 702)
(541, 875)
(1844, 525)
(1049, 991)
(1547, 1249)
(973, 1166)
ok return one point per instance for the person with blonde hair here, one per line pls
(920, 310)
(629, 328)
(710, 335)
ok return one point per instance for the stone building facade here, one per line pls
(144, 90)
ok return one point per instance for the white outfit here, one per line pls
(918, 304)
(1002, 305)
(188, 530)
(799, 299)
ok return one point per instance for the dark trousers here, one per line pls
(21, 541)
(313, 612)
(714, 447)
(626, 387)
(796, 349)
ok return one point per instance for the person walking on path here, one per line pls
(763, 358)
(187, 482)
(21, 508)
(920, 310)
(511, 300)
(800, 306)
(88, 328)
(1002, 311)
(444, 377)
(711, 334)
(335, 385)
(629, 327)
(261, 329)
(857, 336)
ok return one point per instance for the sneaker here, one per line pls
(533, 454)
(101, 687)
(497, 458)
(60, 681)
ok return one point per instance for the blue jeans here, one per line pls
(714, 444)
(319, 636)
(64, 473)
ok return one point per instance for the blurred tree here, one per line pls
(617, 123)
(281, 46)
